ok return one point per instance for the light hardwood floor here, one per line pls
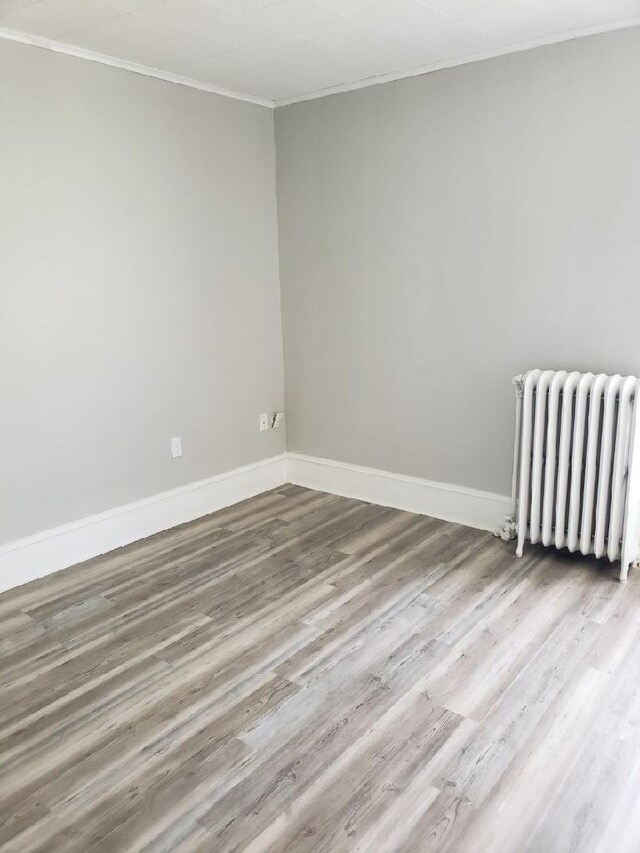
(304, 672)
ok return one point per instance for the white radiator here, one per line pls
(576, 473)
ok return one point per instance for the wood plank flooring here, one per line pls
(304, 672)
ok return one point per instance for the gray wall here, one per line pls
(437, 236)
(442, 233)
(139, 285)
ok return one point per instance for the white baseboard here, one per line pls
(472, 507)
(46, 552)
(43, 553)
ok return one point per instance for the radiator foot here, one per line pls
(624, 569)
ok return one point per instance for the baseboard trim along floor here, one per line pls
(35, 556)
(471, 507)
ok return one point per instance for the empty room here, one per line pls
(320, 426)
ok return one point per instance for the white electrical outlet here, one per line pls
(176, 447)
(276, 420)
(264, 421)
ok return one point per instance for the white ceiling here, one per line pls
(283, 50)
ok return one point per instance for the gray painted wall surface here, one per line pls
(442, 233)
(139, 279)
(437, 235)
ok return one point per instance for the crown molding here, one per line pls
(116, 62)
(418, 70)
(376, 80)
